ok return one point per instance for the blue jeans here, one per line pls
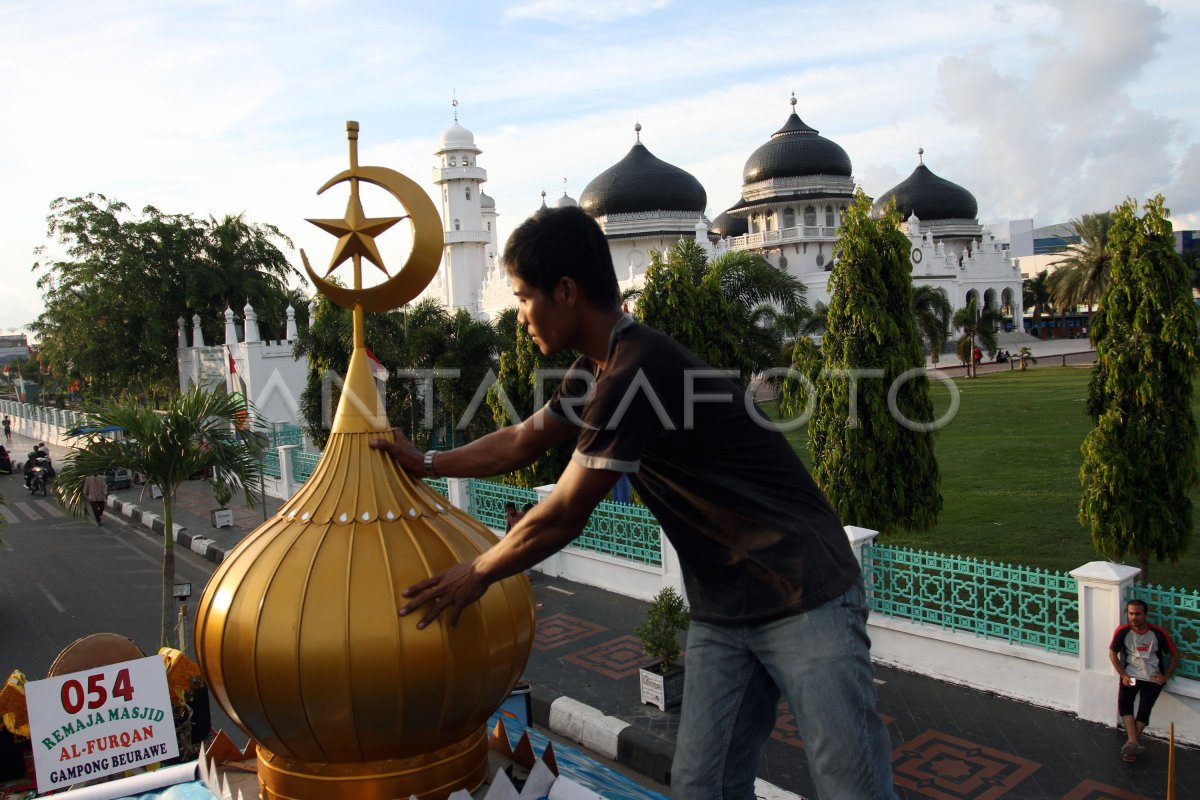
(821, 660)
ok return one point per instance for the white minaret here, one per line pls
(464, 262)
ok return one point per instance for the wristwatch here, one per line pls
(428, 461)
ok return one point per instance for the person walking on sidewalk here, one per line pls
(776, 595)
(1137, 653)
(7, 430)
(95, 491)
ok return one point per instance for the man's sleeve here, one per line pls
(1164, 640)
(567, 401)
(627, 413)
(1118, 640)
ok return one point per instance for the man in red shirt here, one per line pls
(1137, 653)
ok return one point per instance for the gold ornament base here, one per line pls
(431, 776)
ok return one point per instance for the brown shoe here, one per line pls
(1129, 752)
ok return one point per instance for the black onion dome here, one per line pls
(929, 197)
(726, 225)
(642, 182)
(795, 150)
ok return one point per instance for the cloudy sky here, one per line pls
(1042, 109)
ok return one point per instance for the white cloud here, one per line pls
(574, 12)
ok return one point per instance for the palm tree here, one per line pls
(933, 312)
(978, 325)
(1036, 294)
(196, 432)
(1082, 275)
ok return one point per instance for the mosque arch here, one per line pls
(1006, 301)
(828, 216)
(972, 295)
(789, 217)
(810, 216)
(989, 298)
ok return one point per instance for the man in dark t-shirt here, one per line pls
(775, 594)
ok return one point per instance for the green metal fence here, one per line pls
(438, 484)
(623, 530)
(1023, 605)
(286, 434)
(1178, 612)
(303, 464)
(271, 464)
(487, 500)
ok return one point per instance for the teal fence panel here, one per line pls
(438, 484)
(285, 435)
(271, 464)
(1178, 612)
(488, 498)
(623, 530)
(303, 464)
(1023, 605)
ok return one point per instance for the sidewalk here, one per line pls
(949, 742)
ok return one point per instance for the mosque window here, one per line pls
(768, 221)
(828, 216)
(810, 215)
(457, 225)
(453, 161)
(489, 226)
(789, 218)
(468, 192)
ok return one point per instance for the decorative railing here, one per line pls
(303, 464)
(1178, 612)
(438, 484)
(1023, 605)
(487, 501)
(286, 435)
(270, 464)
(623, 530)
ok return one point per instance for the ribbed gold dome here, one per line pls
(299, 638)
(297, 632)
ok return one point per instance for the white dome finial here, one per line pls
(793, 101)
(921, 154)
(637, 130)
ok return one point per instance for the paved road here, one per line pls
(62, 578)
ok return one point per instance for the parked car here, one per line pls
(117, 478)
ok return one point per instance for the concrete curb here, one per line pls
(199, 545)
(640, 751)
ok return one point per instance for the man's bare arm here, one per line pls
(497, 453)
(547, 528)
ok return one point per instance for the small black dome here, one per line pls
(642, 182)
(795, 150)
(725, 225)
(929, 197)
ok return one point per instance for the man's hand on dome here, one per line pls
(454, 589)
(403, 452)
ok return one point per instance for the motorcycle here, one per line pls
(39, 476)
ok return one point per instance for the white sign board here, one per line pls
(100, 721)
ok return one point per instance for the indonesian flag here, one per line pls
(232, 365)
(377, 369)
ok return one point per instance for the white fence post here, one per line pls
(458, 495)
(285, 470)
(672, 572)
(1102, 586)
(859, 537)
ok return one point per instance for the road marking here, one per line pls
(560, 591)
(7, 547)
(51, 508)
(28, 511)
(57, 605)
(9, 515)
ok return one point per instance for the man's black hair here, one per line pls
(527, 506)
(510, 506)
(558, 243)
(1138, 602)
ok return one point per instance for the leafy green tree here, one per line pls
(933, 313)
(423, 339)
(876, 469)
(195, 432)
(1139, 461)
(516, 391)
(114, 283)
(1035, 294)
(978, 324)
(1082, 275)
(732, 313)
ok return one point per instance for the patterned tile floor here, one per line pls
(949, 742)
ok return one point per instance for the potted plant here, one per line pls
(662, 681)
(222, 517)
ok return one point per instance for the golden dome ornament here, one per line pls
(298, 632)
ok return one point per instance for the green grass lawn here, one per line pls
(1010, 462)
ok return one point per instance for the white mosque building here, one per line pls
(795, 188)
